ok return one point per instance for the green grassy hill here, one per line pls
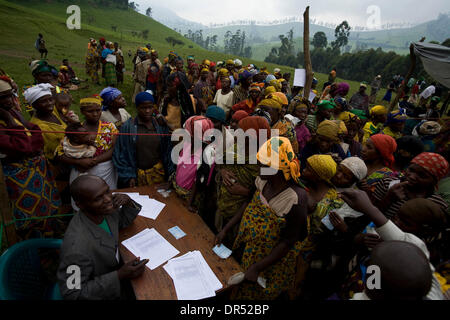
(21, 21)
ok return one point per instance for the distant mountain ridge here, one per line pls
(259, 36)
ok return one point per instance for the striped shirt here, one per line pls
(382, 188)
(240, 94)
(311, 123)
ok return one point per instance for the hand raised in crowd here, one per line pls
(130, 270)
(237, 189)
(120, 199)
(397, 192)
(371, 240)
(338, 222)
(357, 199)
(228, 177)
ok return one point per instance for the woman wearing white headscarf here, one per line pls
(40, 97)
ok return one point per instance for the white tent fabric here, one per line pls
(436, 60)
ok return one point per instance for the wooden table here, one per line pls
(157, 284)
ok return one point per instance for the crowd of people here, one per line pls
(355, 184)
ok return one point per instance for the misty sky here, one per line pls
(354, 11)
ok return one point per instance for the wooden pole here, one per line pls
(306, 53)
(412, 66)
(5, 211)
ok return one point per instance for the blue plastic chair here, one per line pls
(21, 274)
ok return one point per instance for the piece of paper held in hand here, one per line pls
(222, 251)
(326, 221)
(177, 232)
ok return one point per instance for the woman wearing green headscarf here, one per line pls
(324, 112)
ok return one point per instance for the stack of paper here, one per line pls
(151, 208)
(192, 277)
(149, 244)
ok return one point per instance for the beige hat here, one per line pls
(5, 88)
(378, 76)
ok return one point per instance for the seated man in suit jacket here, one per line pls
(90, 250)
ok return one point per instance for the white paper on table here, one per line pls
(299, 78)
(149, 244)
(151, 208)
(209, 275)
(189, 281)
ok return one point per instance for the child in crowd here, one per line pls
(63, 101)
(78, 143)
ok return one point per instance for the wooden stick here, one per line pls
(5, 212)
(401, 89)
(307, 56)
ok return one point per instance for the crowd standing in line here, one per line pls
(354, 184)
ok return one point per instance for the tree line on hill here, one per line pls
(234, 43)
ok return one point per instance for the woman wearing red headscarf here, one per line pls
(189, 173)
(237, 181)
(378, 154)
(420, 181)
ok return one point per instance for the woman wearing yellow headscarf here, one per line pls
(101, 164)
(353, 124)
(317, 175)
(223, 72)
(276, 84)
(326, 141)
(271, 245)
(273, 104)
(378, 116)
(269, 90)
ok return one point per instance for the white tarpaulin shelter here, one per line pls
(436, 60)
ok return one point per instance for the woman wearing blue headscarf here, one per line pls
(114, 107)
